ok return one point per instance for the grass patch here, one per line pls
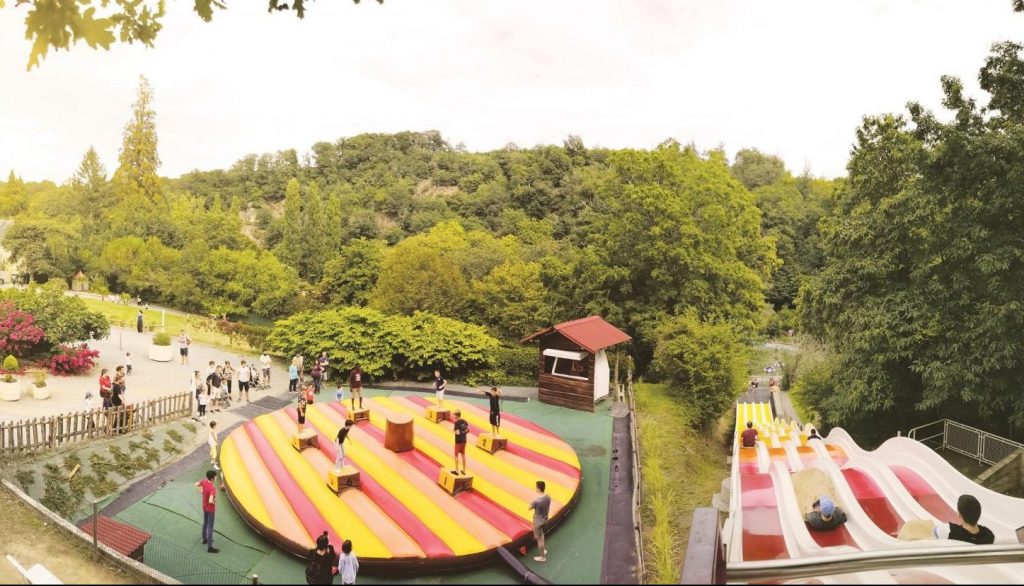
(191, 427)
(681, 470)
(124, 315)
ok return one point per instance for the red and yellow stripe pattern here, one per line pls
(399, 513)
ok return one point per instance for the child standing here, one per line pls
(302, 413)
(348, 563)
(128, 361)
(203, 397)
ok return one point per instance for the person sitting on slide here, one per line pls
(814, 434)
(969, 510)
(749, 436)
(826, 515)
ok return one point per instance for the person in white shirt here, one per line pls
(183, 344)
(265, 363)
(348, 563)
(243, 375)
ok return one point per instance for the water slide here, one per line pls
(880, 491)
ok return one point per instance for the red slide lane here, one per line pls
(516, 449)
(308, 515)
(431, 544)
(924, 494)
(762, 528)
(491, 512)
(873, 501)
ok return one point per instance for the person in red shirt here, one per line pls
(749, 436)
(209, 508)
(105, 387)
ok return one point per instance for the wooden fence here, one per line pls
(44, 433)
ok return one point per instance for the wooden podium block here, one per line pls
(453, 484)
(347, 477)
(438, 414)
(306, 439)
(398, 435)
(491, 443)
(357, 415)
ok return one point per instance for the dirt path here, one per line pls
(32, 539)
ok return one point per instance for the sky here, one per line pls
(789, 77)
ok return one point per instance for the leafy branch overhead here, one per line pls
(58, 24)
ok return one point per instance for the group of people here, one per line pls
(215, 390)
(826, 515)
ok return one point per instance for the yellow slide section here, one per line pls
(560, 494)
(242, 486)
(335, 512)
(444, 520)
(527, 438)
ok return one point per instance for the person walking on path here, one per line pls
(105, 388)
(339, 461)
(324, 362)
(229, 375)
(439, 387)
(317, 375)
(322, 561)
(183, 343)
(117, 397)
(494, 395)
(128, 361)
(540, 506)
(348, 563)
(244, 376)
(194, 385)
(265, 365)
(461, 433)
(211, 440)
(138, 322)
(209, 509)
(355, 385)
(293, 378)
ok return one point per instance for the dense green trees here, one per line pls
(920, 294)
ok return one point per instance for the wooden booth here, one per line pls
(573, 366)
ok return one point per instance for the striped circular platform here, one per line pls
(399, 518)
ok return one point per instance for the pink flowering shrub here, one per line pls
(18, 332)
(73, 359)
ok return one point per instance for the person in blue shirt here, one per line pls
(293, 379)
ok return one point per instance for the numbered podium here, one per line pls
(347, 477)
(438, 414)
(357, 415)
(491, 443)
(454, 483)
(306, 439)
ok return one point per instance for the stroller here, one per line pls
(257, 380)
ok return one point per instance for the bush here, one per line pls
(703, 363)
(71, 360)
(39, 378)
(10, 364)
(64, 319)
(513, 366)
(18, 332)
(394, 345)
(161, 339)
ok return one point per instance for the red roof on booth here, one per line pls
(121, 537)
(591, 333)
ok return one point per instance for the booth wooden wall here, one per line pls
(561, 391)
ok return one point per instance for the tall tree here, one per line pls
(13, 198)
(316, 246)
(289, 249)
(138, 161)
(755, 169)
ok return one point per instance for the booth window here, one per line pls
(565, 364)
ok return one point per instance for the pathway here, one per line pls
(149, 379)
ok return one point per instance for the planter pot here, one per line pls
(10, 391)
(40, 392)
(161, 353)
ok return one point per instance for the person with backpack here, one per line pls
(348, 563)
(322, 561)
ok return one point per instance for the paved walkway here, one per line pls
(149, 379)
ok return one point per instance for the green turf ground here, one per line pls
(172, 515)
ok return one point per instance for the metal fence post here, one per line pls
(255, 579)
(95, 529)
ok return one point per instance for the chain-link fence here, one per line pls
(974, 443)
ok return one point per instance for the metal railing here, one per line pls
(848, 563)
(637, 481)
(946, 434)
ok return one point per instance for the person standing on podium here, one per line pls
(495, 417)
(461, 433)
(439, 387)
(355, 386)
